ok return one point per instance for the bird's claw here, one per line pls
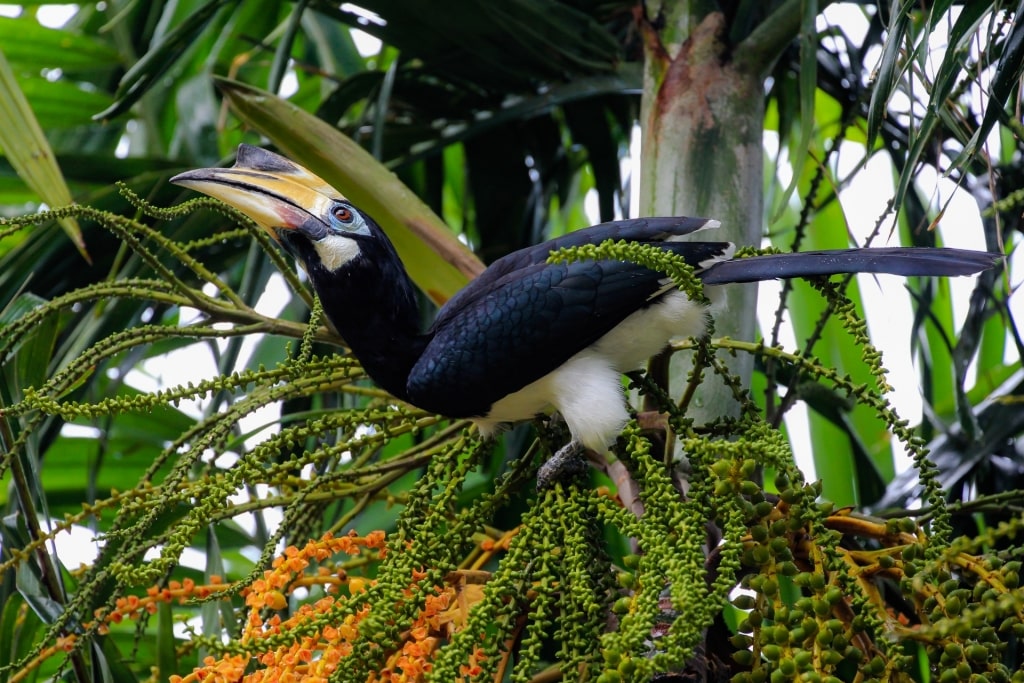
(566, 464)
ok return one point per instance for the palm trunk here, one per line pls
(702, 155)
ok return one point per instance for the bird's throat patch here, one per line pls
(335, 251)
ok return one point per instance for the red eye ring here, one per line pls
(343, 214)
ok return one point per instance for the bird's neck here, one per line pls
(373, 306)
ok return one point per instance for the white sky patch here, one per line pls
(195, 363)
(635, 139)
(55, 16)
(289, 84)
(592, 206)
(366, 17)
(76, 546)
(77, 431)
(51, 16)
(260, 424)
(129, 140)
(1016, 265)
(850, 17)
(81, 545)
(271, 518)
(366, 44)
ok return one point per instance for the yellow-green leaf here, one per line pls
(23, 143)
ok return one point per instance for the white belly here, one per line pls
(587, 388)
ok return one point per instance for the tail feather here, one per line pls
(906, 261)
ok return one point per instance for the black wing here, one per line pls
(514, 329)
(906, 261)
(650, 230)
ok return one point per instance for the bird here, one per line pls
(526, 336)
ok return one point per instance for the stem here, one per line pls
(759, 50)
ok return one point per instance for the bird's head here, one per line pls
(299, 209)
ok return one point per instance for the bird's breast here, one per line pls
(591, 377)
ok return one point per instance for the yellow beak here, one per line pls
(274, 191)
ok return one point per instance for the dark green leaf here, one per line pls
(31, 47)
(890, 68)
(145, 72)
(61, 104)
(19, 628)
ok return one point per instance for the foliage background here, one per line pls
(501, 118)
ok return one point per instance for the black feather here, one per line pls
(522, 317)
(521, 328)
(906, 261)
(649, 230)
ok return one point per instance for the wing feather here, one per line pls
(522, 328)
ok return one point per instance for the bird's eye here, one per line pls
(345, 219)
(343, 214)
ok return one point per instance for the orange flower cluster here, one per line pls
(324, 643)
(324, 637)
(312, 656)
(134, 606)
(438, 620)
(130, 607)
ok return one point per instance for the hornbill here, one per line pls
(525, 336)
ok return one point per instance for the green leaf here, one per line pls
(33, 354)
(581, 90)
(335, 48)
(31, 47)
(23, 143)
(946, 77)
(497, 45)
(215, 615)
(19, 627)
(839, 441)
(166, 657)
(112, 662)
(144, 73)
(890, 69)
(62, 104)
(808, 76)
(30, 586)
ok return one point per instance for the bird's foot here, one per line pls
(567, 463)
